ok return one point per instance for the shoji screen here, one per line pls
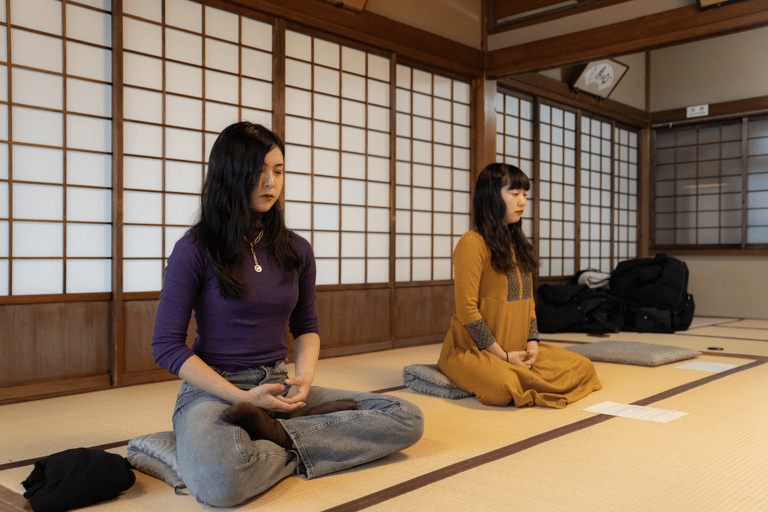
(514, 142)
(557, 191)
(189, 71)
(757, 181)
(55, 142)
(337, 191)
(596, 194)
(624, 195)
(432, 173)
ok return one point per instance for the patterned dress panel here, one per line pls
(513, 286)
(533, 332)
(480, 334)
(527, 286)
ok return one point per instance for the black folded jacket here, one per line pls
(76, 478)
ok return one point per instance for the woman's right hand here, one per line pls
(519, 357)
(264, 396)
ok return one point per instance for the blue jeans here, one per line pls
(222, 466)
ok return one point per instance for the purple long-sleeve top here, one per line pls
(232, 334)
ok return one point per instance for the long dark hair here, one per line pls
(490, 209)
(226, 217)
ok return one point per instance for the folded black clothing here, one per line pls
(76, 478)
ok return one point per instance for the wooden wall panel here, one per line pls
(353, 321)
(423, 314)
(48, 342)
(139, 324)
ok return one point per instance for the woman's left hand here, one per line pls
(532, 349)
(299, 389)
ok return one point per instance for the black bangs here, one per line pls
(516, 179)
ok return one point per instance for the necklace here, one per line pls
(256, 265)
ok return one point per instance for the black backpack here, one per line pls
(655, 291)
(577, 308)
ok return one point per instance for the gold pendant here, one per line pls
(257, 268)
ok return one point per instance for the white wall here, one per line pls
(728, 286)
(714, 70)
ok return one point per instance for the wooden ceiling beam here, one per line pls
(681, 25)
(372, 29)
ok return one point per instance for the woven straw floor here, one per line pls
(474, 457)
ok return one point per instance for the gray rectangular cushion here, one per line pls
(633, 352)
(428, 379)
(155, 455)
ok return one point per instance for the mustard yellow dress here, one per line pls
(491, 306)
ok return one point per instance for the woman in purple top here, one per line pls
(241, 423)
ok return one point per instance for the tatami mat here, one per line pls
(618, 464)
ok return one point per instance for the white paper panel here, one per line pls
(142, 173)
(353, 192)
(89, 276)
(89, 133)
(221, 87)
(378, 67)
(403, 270)
(42, 15)
(37, 126)
(326, 245)
(326, 163)
(326, 81)
(378, 219)
(326, 53)
(38, 89)
(183, 144)
(139, 139)
(181, 79)
(378, 168)
(352, 271)
(298, 46)
(442, 268)
(142, 207)
(143, 37)
(422, 105)
(326, 108)
(353, 218)
(257, 34)
(218, 116)
(403, 101)
(441, 223)
(325, 190)
(89, 62)
(378, 194)
(142, 275)
(184, 14)
(326, 135)
(257, 64)
(461, 224)
(183, 112)
(38, 202)
(149, 9)
(298, 131)
(221, 24)
(298, 74)
(145, 71)
(38, 239)
(182, 209)
(89, 240)
(353, 245)
(38, 277)
(353, 113)
(89, 98)
(298, 159)
(38, 164)
(298, 215)
(88, 25)
(183, 177)
(4, 239)
(222, 56)
(378, 245)
(326, 217)
(183, 46)
(422, 198)
(353, 139)
(403, 197)
(353, 60)
(378, 271)
(256, 94)
(327, 271)
(422, 269)
(352, 87)
(142, 241)
(422, 222)
(89, 204)
(403, 76)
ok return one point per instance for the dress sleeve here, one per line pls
(303, 318)
(469, 259)
(181, 285)
(533, 330)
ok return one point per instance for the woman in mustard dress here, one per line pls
(492, 348)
